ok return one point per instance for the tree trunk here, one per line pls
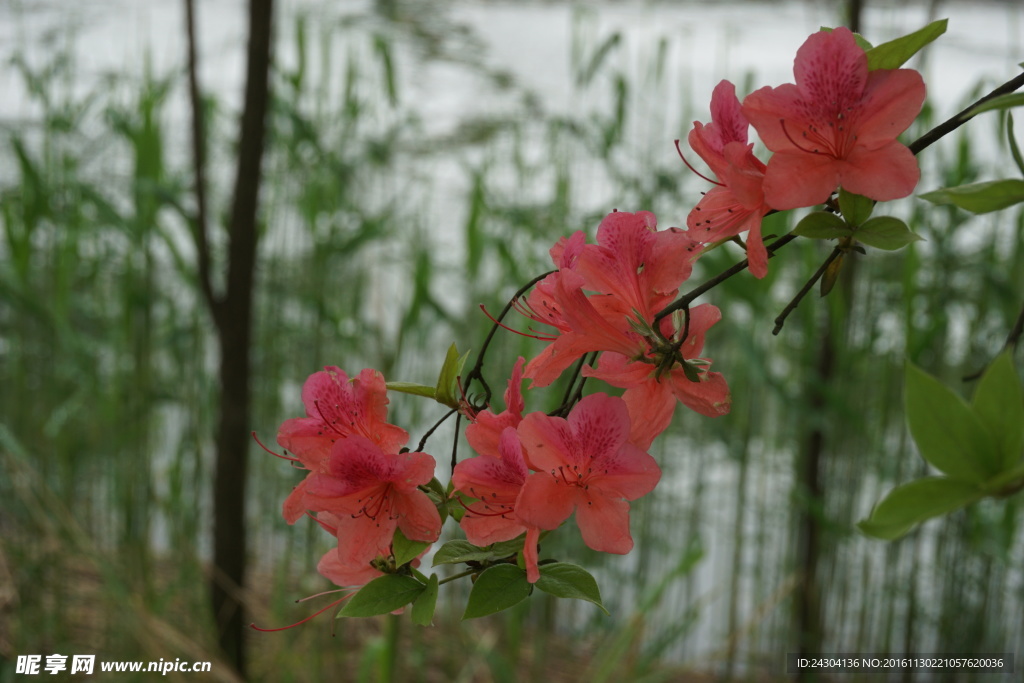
(233, 317)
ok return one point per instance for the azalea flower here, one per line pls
(495, 483)
(585, 464)
(737, 204)
(639, 266)
(634, 271)
(837, 125)
(372, 493)
(651, 393)
(483, 435)
(336, 407)
(586, 329)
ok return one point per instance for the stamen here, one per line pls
(323, 525)
(795, 144)
(324, 418)
(699, 174)
(276, 455)
(303, 621)
(506, 327)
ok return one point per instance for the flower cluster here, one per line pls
(835, 127)
(360, 483)
(533, 472)
(605, 311)
(605, 297)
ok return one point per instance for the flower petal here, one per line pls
(544, 502)
(798, 179)
(883, 174)
(600, 426)
(333, 568)
(605, 526)
(546, 440)
(418, 517)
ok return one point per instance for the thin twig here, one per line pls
(1012, 339)
(962, 117)
(423, 441)
(455, 441)
(200, 221)
(791, 306)
(568, 388)
(573, 399)
(476, 374)
(685, 300)
(1015, 334)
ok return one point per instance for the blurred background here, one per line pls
(421, 158)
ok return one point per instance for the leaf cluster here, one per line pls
(976, 446)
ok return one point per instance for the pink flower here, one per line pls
(585, 464)
(586, 329)
(336, 408)
(837, 125)
(639, 266)
(495, 483)
(651, 398)
(737, 204)
(372, 493)
(483, 435)
(334, 568)
(634, 270)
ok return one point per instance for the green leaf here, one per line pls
(447, 381)
(497, 588)
(910, 504)
(405, 550)
(423, 607)
(822, 225)
(564, 580)
(895, 53)
(454, 552)
(984, 197)
(457, 551)
(856, 208)
(947, 432)
(1007, 101)
(411, 388)
(885, 232)
(382, 595)
(999, 404)
(508, 548)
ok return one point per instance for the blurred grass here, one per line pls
(106, 354)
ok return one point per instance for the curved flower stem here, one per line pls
(568, 388)
(455, 441)
(476, 374)
(423, 441)
(791, 306)
(572, 398)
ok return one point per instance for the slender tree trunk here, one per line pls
(232, 314)
(808, 596)
(854, 12)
